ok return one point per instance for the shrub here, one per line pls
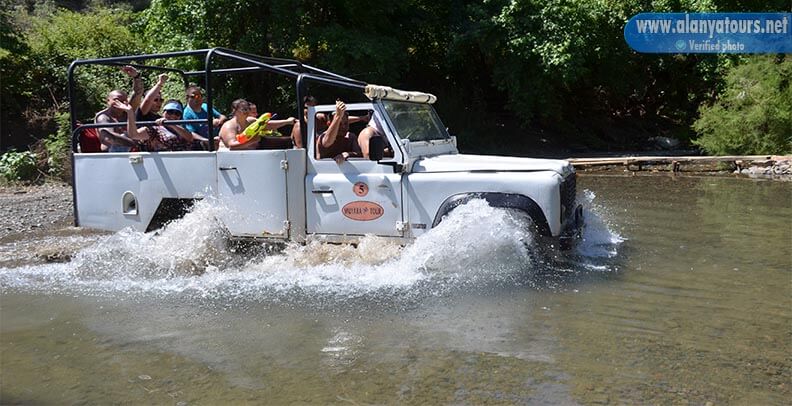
(55, 37)
(54, 151)
(753, 115)
(18, 166)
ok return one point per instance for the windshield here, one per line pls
(415, 121)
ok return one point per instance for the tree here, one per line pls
(753, 115)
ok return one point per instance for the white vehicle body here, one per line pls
(290, 195)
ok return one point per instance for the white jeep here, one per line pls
(289, 194)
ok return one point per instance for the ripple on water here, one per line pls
(194, 256)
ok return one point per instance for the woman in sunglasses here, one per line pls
(152, 101)
(171, 137)
(159, 137)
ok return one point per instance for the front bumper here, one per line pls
(571, 213)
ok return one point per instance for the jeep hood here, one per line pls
(467, 163)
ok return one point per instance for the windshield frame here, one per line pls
(441, 131)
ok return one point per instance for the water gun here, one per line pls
(257, 128)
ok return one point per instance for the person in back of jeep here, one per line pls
(320, 121)
(115, 139)
(232, 133)
(152, 101)
(196, 110)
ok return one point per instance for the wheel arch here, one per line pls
(497, 199)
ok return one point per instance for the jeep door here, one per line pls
(252, 193)
(356, 197)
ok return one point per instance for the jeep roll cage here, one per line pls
(297, 70)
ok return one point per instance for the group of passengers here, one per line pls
(335, 140)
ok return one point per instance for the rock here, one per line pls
(53, 255)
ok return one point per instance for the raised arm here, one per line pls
(358, 119)
(275, 124)
(137, 86)
(332, 131)
(132, 130)
(152, 94)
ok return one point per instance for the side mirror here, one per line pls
(376, 148)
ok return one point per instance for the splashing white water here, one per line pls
(476, 245)
(598, 239)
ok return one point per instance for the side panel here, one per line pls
(252, 192)
(101, 181)
(425, 192)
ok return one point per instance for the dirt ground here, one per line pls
(32, 209)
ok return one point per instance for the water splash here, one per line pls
(475, 247)
(598, 240)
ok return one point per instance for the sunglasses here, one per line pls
(176, 112)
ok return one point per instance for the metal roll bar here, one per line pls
(254, 63)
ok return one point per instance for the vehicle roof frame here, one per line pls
(302, 73)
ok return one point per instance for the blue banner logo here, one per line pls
(710, 33)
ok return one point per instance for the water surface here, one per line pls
(680, 293)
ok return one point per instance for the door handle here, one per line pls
(227, 168)
(322, 191)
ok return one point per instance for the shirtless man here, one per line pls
(239, 121)
(115, 139)
(337, 142)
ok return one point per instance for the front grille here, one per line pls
(568, 186)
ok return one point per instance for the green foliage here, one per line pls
(57, 147)
(55, 40)
(15, 85)
(350, 37)
(565, 61)
(754, 113)
(18, 166)
(532, 69)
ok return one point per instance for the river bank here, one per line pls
(30, 208)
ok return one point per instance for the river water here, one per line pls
(680, 293)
